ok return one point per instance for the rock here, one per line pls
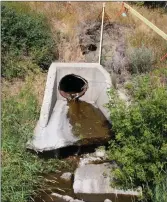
(100, 153)
(93, 158)
(66, 176)
(107, 200)
(92, 183)
(87, 160)
(89, 175)
(61, 198)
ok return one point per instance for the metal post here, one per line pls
(101, 35)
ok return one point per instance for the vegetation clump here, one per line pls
(27, 43)
(141, 59)
(140, 144)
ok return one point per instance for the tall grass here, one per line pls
(20, 168)
(160, 194)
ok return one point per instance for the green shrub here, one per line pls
(18, 68)
(141, 59)
(140, 144)
(24, 36)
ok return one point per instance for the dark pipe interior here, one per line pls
(72, 83)
(92, 47)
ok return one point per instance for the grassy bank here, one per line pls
(28, 50)
(20, 168)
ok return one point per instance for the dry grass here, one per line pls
(37, 83)
(142, 34)
(67, 18)
(38, 86)
(11, 88)
(156, 16)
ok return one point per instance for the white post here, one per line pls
(101, 35)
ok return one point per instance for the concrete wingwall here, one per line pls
(53, 130)
(98, 79)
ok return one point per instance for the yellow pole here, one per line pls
(147, 22)
(101, 35)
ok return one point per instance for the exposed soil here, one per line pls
(113, 57)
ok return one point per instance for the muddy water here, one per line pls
(88, 121)
(53, 183)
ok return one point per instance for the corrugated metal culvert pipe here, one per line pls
(72, 86)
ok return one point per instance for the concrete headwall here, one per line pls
(53, 129)
(98, 80)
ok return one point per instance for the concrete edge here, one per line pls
(48, 104)
(75, 65)
(108, 81)
(47, 100)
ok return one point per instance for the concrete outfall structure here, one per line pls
(92, 182)
(53, 130)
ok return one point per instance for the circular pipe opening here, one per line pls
(72, 86)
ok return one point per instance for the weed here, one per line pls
(141, 60)
(160, 194)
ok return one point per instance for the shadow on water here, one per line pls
(75, 150)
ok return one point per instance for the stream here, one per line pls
(88, 123)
